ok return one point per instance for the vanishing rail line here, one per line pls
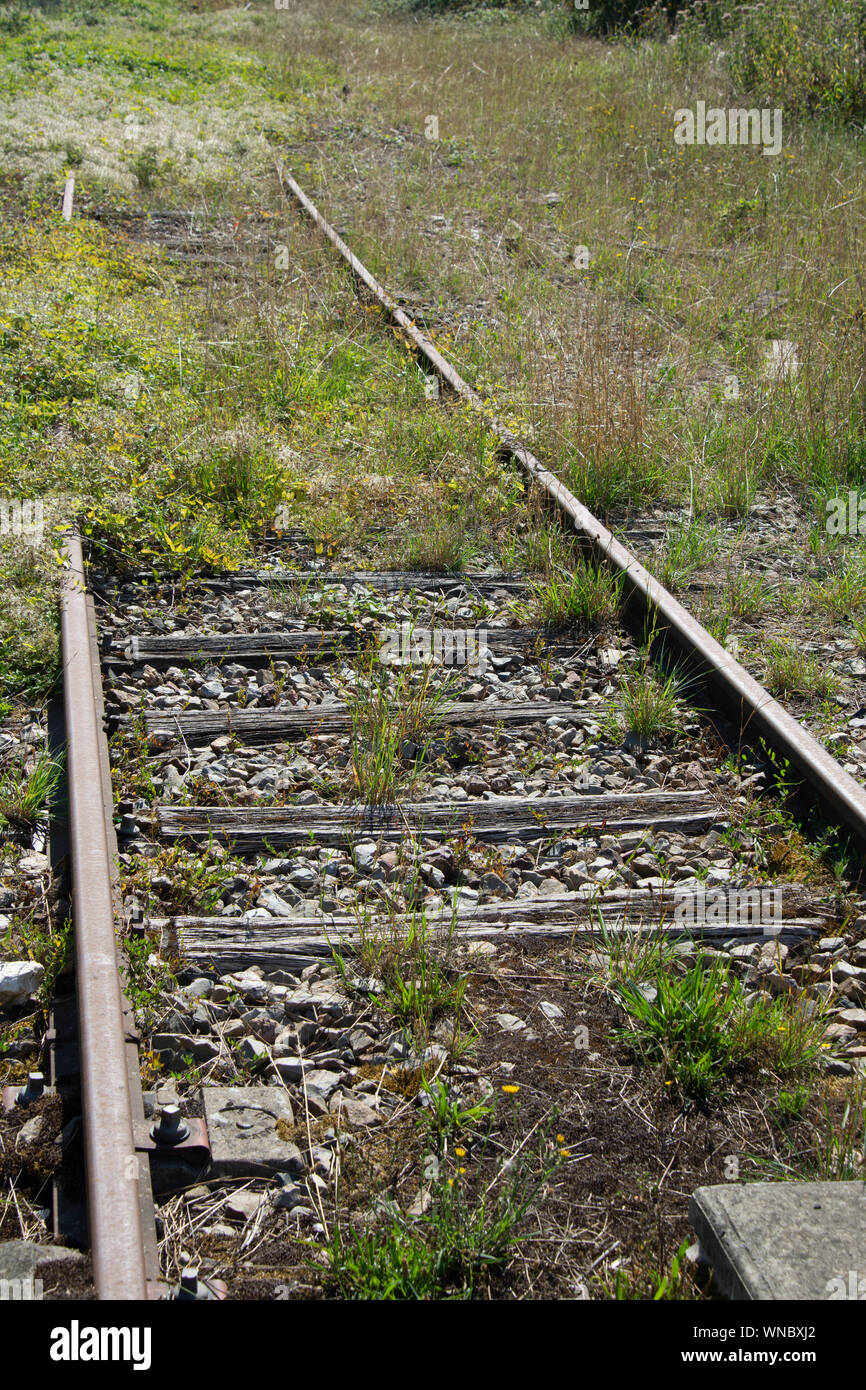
(744, 698)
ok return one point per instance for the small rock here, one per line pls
(550, 888)
(323, 1083)
(30, 1131)
(220, 1231)
(772, 955)
(22, 1259)
(778, 984)
(834, 1066)
(18, 980)
(358, 1041)
(303, 878)
(354, 1113)
(493, 883)
(464, 897)
(201, 988)
(840, 1032)
(33, 864)
(576, 875)
(171, 1044)
(243, 1205)
(551, 1011)
(276, 905)
(254, 1052)
(365, 857)
(843, 971)
(321, 1160)
(853, 1018)
(288, 1197)
(317, 1105)
(509, 1023)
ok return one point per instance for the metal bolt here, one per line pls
(34, 1090)
(170, 1129)
(191, 1287)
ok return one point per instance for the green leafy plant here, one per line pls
(447, 1117)
(419, 982)
(648, 703)
(437, 547)
(27, 789)
(792, 672)
(631, 956)
(51, 946)
(791, 1104)
(583, 597)
(700, 1028)
(146, 980)
(746, 594)
(688, 547)
(393, 722)
(683, 1022)
(840, 1137)
(441, 1254)
(654, 1284)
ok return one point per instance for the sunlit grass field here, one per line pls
(619, 297)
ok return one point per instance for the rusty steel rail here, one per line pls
(744, 698)
(113, 1199)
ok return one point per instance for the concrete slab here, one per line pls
(770, 1241)
(242, 1126)
(21, 1259)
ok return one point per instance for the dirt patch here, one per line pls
(32, 1156)
(68, 1280)
(614, 1152)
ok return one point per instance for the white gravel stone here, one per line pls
(551, 1011)
(18, 980)
(509, 1023)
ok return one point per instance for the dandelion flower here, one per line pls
(511, 1090)
(461, 1153)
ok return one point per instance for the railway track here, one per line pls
(285, 797)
